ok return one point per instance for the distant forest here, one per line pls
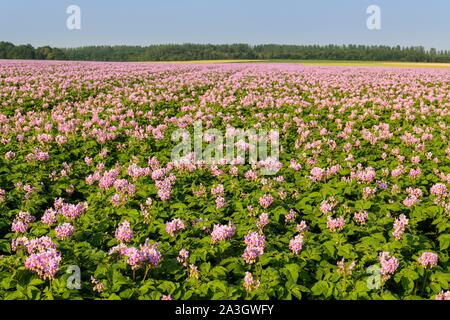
(184, 52)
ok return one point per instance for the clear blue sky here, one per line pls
(143, 22)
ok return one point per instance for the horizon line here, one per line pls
(227, 43)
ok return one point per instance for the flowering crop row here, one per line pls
(359, 207)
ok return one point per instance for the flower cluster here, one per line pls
(438, 189)
(98, 285)
(443, 295)
(265, 201)
(165, 186)
(428, 260)
(290, 216)
(193, 272)
(365, 175)
(45, 264)
(49, 217)
(317, 174)
(361, 217)
(262, 221)
(124, 233)
(368, 192)
(72, 211)
(328, 206)
(218, 190)
(414, 173)
(335, 224)
(22, 221)
(388, 265)
(135, 171)
(147, 254)
(295, 165)
(222, 232)
(249, 283)
(64, 231)
(183, 256)
(255, 247)
(301, 227)
(174, 226)
(413, 196)
(43, 258)
(220, 202)
(399, 226)
(296, 243)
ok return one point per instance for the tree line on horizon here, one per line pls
(188, 51)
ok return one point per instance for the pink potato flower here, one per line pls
(222, 233)
(124, 233)
(249, 283)
(428, 260)
(174, 226)
(388, 265)
(265, 201)
(296, 243)
(64, 231)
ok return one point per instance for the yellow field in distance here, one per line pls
(322, 63)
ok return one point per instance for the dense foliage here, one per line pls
(10, 51)
(359, 209)
(184, 52)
